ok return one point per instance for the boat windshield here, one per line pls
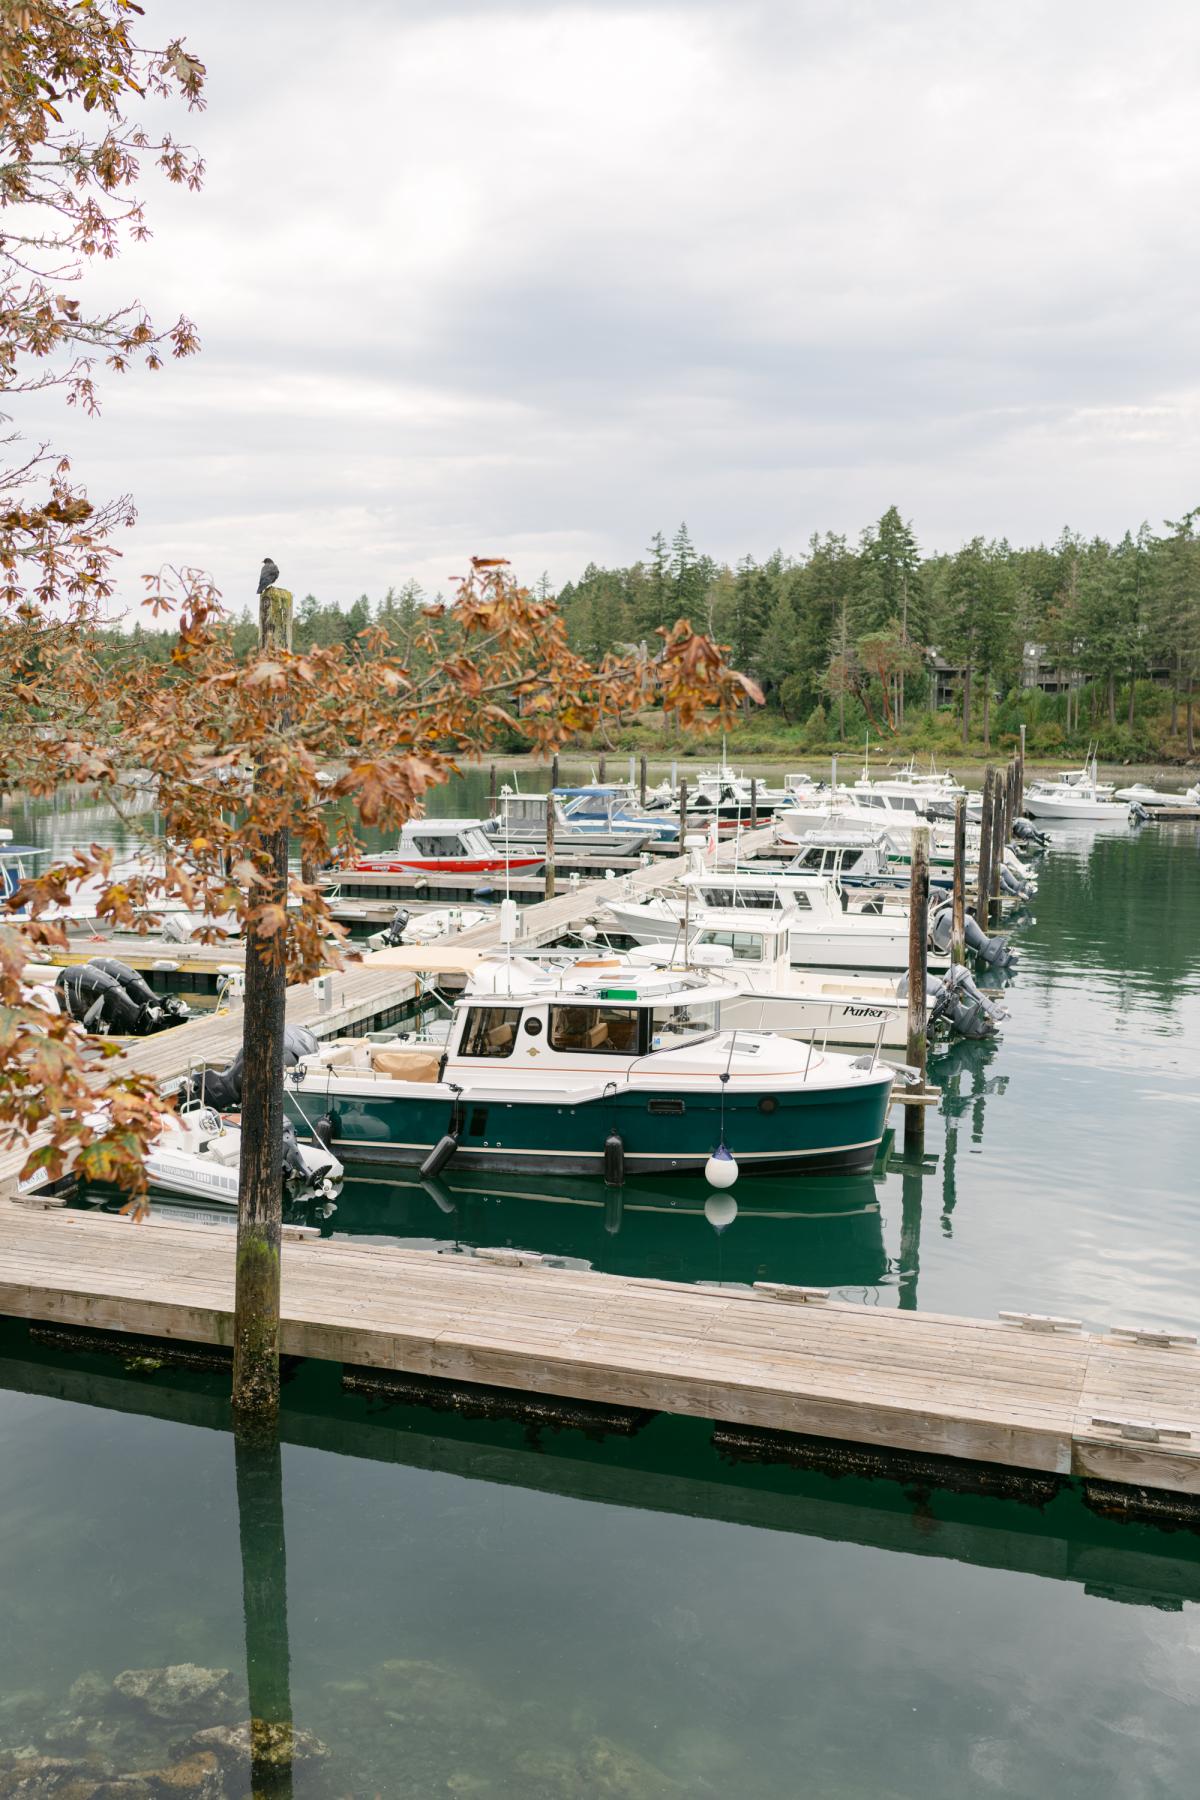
(747, 946)
(684, 1022)
(590, 806)
(608, 1030)
(751, 898)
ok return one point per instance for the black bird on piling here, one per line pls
(268, 574)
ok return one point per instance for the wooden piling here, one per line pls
(550, 824)
(642, 780)
(602, 768)
(958, 942)
(491, 788)
(1021, 774)
(554, 771)
(754, 803)
(918, 951)
(984, 888)
(998, 842)
(683, 799)
(255, 1394)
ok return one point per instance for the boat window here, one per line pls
(609, 1030)
(747, 946)
(429, 846)
(683, 1022)
(490, 1031)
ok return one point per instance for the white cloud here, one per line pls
(539, 278)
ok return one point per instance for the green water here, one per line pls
(475, 1607)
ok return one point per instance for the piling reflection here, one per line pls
(259, 1468)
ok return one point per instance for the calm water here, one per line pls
(475, 1609)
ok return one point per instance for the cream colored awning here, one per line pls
(427, 959)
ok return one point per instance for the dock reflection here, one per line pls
(668, 1465)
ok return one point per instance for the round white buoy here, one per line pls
(720, 1171)
(588, 933)
(720, 1210)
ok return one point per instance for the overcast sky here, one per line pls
(538, 278)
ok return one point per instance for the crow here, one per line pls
(268, 574)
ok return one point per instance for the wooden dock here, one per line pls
(1033, 1396)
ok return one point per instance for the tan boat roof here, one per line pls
(427, 959)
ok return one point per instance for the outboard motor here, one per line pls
(394, 934)
(98, 1002)
(957, 1000)
(1012, 884)
(158, 1010)
(993, 950)
(1137, 813)
(102, 1002)
(222, 1088)
(298, 1041)
(1026, 832)
(296, 1172)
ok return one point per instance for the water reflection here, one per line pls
(823, 1232)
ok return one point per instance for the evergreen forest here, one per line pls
(1086, 642)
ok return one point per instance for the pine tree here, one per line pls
(890, 591)
(688, 578)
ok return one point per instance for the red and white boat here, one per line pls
(446, 847)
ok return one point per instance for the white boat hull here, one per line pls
(1067, 807)
(870, 944)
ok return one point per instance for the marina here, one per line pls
(377, 996)
(948, 1363)
(599, 867)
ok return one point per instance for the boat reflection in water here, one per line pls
(822, 1231)
(818, 1232)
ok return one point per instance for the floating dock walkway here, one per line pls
(1035, 1396)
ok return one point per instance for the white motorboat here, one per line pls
(1076, 795)
(427, 927)
(825, 933)
(752, 955)
(198, 1153)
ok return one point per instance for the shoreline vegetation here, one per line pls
(1089, 645)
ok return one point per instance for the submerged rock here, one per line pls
(232, 1743)
(410, 1687)
(180, 1691)
(194, 1777)
(89, 1692)
(47, 1778)
(600, 1770)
